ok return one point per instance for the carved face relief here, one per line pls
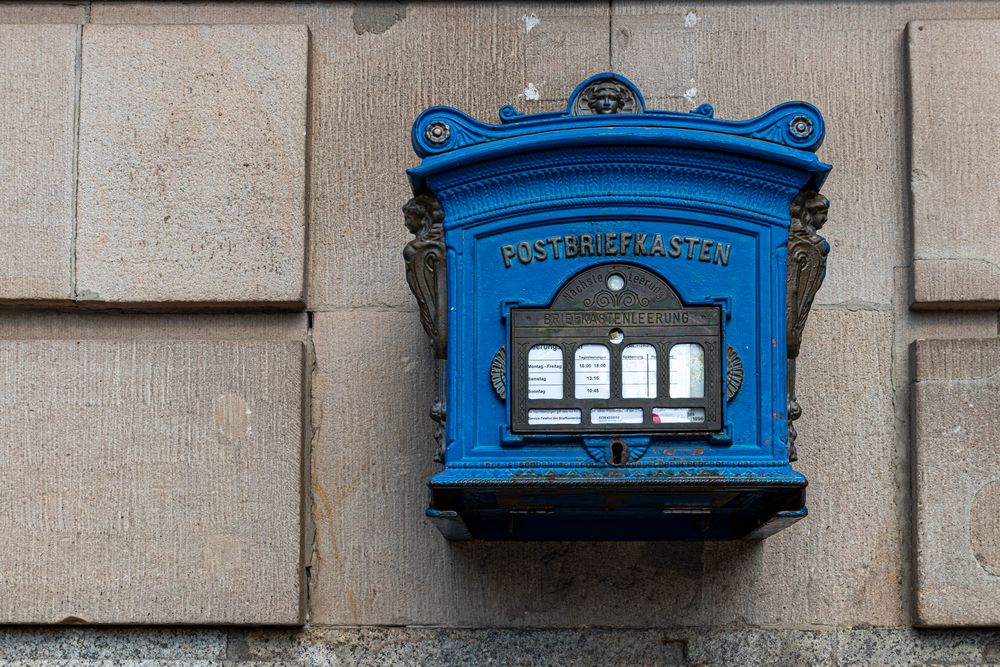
(422, 216)
(414, 216)
(606, 98)
(819, 207)
(426, 268)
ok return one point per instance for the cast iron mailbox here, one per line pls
(615, 298)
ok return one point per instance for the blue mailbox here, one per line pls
(615, 297)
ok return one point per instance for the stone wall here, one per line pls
(214, 385)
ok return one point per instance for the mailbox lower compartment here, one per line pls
(706, 509)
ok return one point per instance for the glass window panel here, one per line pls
(639, 371)
(616, 416)
(545, 372)
(548, 417)
(687, 371)
(678, 415)
(593, 372)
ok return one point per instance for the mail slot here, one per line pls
(615, 298)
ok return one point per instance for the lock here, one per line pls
(618, 452)
(615, 298)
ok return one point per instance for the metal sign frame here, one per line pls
(585, 312)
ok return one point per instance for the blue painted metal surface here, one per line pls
(553, 175)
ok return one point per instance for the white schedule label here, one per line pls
(687, 371)
(678, 415)
(593, 372)
(544, 417)
(545, 372)
(639, 371)
(616, 416)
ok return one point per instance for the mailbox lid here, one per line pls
(774, 149)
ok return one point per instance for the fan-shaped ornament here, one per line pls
(498, 373)
(734, 372)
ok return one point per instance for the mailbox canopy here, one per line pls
(692, 216)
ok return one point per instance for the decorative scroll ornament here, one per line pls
(605, 96)
(498, 373)
(426, 269)
(611, 99)
(734, 372)
(608, 299)
(807, 252)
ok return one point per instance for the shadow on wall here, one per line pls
(648, 583)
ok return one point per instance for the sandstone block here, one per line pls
(658, 50)
(761, 648)
(915, 325)
(483, 56)
(840, 565)
(27, 12)
(442, 647)
(446, 647)
(955, 177)
(45, 325)
(152, 482)
(956, 481)
(37, 106)
(207, 12)
(744, 59)
(192, 164)
(378, 561)
(70, 644)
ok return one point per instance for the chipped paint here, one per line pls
(691, 93)
(690, 20)
(531, 93)
(530, 21)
